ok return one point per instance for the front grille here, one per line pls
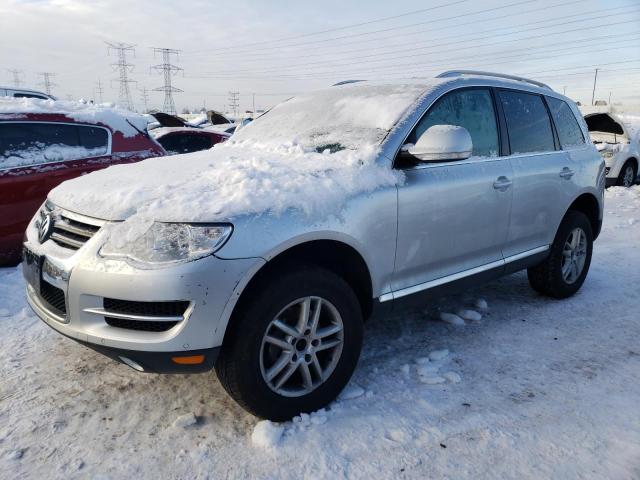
(54, 297)
(68, 232)
(144, 326)
(146, 309)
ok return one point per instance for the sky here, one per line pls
(269, 51)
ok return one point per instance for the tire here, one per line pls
(628, 174)
(247, 358)
(549, 278)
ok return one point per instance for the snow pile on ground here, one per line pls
(539, 388)
(266, 434)
(228, 180)
(118, 119)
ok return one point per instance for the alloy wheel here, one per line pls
(301, 346)
(574, 255)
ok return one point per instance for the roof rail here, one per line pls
(346, 82)
(458, 73)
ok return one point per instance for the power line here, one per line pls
(46, 81)
(123, 67)
(379, 57)
(168, 71)
(404, 33)
(354, 25)
(16, 76)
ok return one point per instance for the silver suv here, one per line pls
(264, 256)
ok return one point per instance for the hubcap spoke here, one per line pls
(286, 328)
(303, 319)
(278, 343)
(313, 325)
(287, 374)
(316, 366)
(278, 366)
(327, 345)
(328, 331)
(306, 375)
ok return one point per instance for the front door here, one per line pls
(453, 216)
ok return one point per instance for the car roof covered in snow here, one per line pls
(117, 119)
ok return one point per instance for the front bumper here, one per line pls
(85, 282)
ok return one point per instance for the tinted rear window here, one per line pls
(567, 126)
(528, 122)
(185, 143)
(23, 144)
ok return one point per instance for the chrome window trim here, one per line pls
(109, 142)
(403, 292)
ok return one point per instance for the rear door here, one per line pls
(453, 216)
(543, 186)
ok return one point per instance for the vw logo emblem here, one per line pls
(45, 228)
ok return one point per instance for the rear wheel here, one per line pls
(565, 269)
(293, 347)
(628, 174)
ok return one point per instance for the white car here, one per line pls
(617, 138)
(24, 93)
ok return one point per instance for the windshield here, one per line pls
(336, 118)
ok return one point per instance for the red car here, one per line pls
(43, 143)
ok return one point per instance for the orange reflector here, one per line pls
(192, 360)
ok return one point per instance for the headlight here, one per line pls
(607, 154)
(168, 243)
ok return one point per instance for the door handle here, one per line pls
(502, 183)
(566, 173)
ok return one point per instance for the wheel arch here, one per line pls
(588, 204)
(334, 255)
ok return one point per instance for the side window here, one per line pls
(28, 95)
(528, 122)
(184, 143)
(468, 108)
(567, 126)
(23, 144)
(95, 140)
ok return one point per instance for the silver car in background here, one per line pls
(496, 174)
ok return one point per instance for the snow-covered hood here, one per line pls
(229, 180)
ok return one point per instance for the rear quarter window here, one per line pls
(567, 126)
(528, 122)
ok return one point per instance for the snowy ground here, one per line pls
(535, 389)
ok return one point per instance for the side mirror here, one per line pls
(441, 143)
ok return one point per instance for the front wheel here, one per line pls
(294, 345)
(565, 269)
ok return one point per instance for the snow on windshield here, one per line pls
(116, 118)
(347, 116)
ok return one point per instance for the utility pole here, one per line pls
(99, 90)
(16, 77)
(144, 96)
(46, 81)
(609, 99)
(564, 90)
(123, 67)
(253, 108)
(168, 70)
(234, 103)
(593, 95)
